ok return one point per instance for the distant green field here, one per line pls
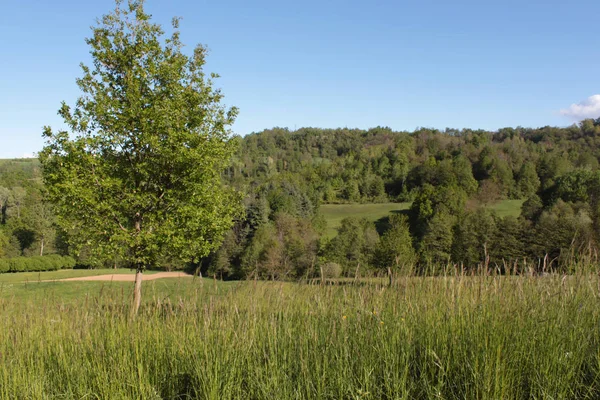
(335, 213)
(505, 208)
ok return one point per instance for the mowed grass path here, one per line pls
(335, 213)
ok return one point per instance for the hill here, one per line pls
(424, 188)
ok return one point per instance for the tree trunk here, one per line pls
(322, 276)
(42, 247)
(356, 272)
(137, 293)
(390, 276)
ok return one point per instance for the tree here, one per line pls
(4, 197)
(354, 244)
(264, 254)
(464, 174)
(139, 175)
(532, 207)
(16, 199)
(40, 221)
(395, 246)
(473, 238)
(4, 244)
(436, 245)
(529, 183)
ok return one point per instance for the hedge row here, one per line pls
(34, 264)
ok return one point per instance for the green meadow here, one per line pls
(63, 274)
(335, 213)
(507, 208)
(34, 286)
(454, 337)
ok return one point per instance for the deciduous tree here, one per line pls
(139, 172)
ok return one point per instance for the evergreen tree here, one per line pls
(395, 249)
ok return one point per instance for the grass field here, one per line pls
(335, 213)
(62, 274)
(507, 208)
(425, 338)
(35, 286)
(80, 291)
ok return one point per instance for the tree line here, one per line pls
(448, 176)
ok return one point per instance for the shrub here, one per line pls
(52, 262)
(4, 266)
(332, 270)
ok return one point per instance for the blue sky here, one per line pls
(403, 64)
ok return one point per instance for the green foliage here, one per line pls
(315, 175)
(282, 249)
(528, 182)
(332, 270)
(473, 238)
(552, 166)
(431, 201)
(436, 246)
(35, 264)
(395, 248)
(463, 171)
(138, 176)
(575, 186)
(354, 245)
(532, 207)
(561, 232)
(509, 244)
(4, 244)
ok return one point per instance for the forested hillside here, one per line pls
(26, 221)
(447, 178)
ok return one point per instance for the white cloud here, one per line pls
(29, 155)
(588, 108)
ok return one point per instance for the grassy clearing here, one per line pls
(448, 338)
(335, 213)
(77, 291)
(505, 208)
(63, 274)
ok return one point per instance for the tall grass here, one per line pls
(482, 337)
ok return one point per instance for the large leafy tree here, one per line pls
(138, 175)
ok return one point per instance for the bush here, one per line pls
(4, 266)
(332, 270)
(52, 262)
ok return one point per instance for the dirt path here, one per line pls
(124, 277)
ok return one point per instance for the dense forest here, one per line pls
(447, 176)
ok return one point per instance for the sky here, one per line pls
(330, 63)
